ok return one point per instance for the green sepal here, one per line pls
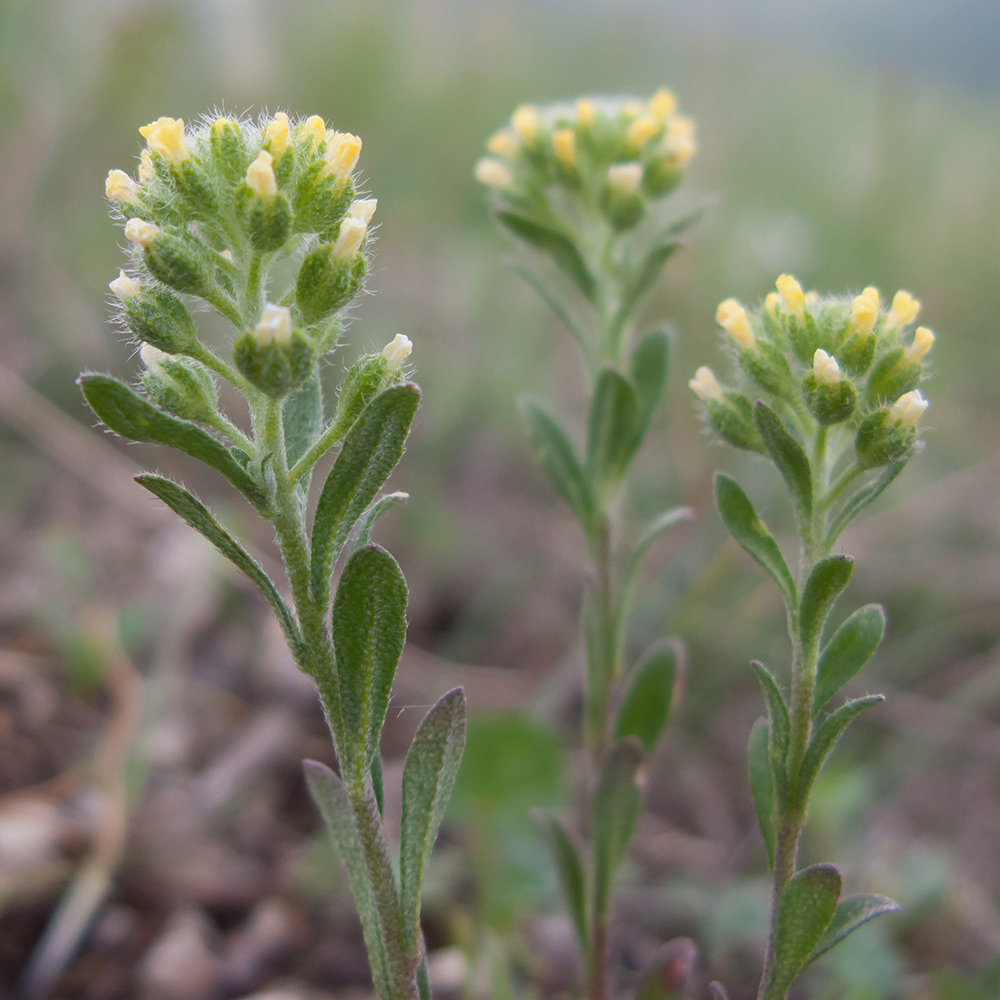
(648, 369)
(156, 316)
(849, 649)
(183, 387)
(178, 260)
(779, 726)
(852, 912)
(788, 456)
(752, 535)
(559, 247)
(371, 450)
(893, 376)
(267, 225)
(623, 209)
(762, 783)
(611, 433)
(276, 368)
(230, 155)
(129, 415)
(829, 404)
(196, 188)
(369, 629)
(668, 975)
(857, 503)
(569, 868)
(767, 366)
(327, 282)
(805, 909)
(333, 802)
(883, 441)
(732, 419)
(645, 709)
(428, 778)
(559, 459)
(617, 804)
(826, 583)
(825, 739)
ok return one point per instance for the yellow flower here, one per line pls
(922, 341)
(503, 143)
(904, 309)
(124, 287)
(732, 317)
(662, 104)
(680, 125)
(585, 113)
(166, 137)
(493, 173)
(825, 368)
(146, 169)
(872, 294)
(642, 130)
(625, 178)
(791, 294)
(396, 352)
(363, 209)
(120, 187)
(141, 232)
(564, 145)
(771, 302)
(151, 356)
(864, 313)
(705, 385)
(260, 178)
(342, 152)
(350, 237)
(276, 134)
(313, 128)
(678, 149)
(525, 122)
(275, 325)
(908, 408)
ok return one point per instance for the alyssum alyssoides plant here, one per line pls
(826, 388)
(214, 209)
(583, 186)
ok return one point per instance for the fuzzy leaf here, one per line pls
(762, 782)
(648, 369)
(852, 913)
(805, 909)
(752, 535)
(862, 499)
(302, 418)
(617, 804)
(556, 244)
(826, 583)
(779, 726)
(646, 707)
(791, 460)
(377, 509)
(369, 629)
(330, 796)
(428, 778)
(131, 416)
(569, 868)
(611, 433)
(849, 649)
(371, 450)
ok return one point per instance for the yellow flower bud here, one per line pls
(642, 130)
(124, 287)
(525, 122)
(872, 293)
(493, 173)
(812, 299)
(141, 232)
(363, 209)
(260, 178)
(120, 187)
(908, 408)
(313, 128)
(732, 317)
(166, 137)
(146, 169)
(585, 113)
(349, 239)
(276, 134)
(342, 152)
(825, 368)
(864, 313)
(680, 125)
(275, 326)
(791, 294)
(922, 341)
(625, 178)
(564, 145)
(678, 148)
(904, 309)
(503, 143)
(771, 302)
(662, 104)
(150, 355)
(396, 352)
(705, 385)
(632, 109)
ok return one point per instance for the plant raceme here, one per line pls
(212, 214)
(826, 388)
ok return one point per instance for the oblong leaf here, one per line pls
(556, 244)
(611, 431)
(428, 778)
(558, 458)
(751, 534)
(192, 510)
(375, 511)
(849, 649)
(762, 782)
(779, 726)
(648, 369)
(302, 418)
(791, 460)
(852, 913)
(826, 583)
(569, 868)
(825, 739)
(369, 629)
(130, 416)
(857, 503)
(805, 908)
(371, 450)
(645, 709)
(617, 804)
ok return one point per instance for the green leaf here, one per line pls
(558, 458)
(762, 782)
(779, 725)
(369, 629)
(377, 509)
(192, 510)
(862, 499)
(129, 415)
(825, 739)
(558, 245)
(648, 370)
(611, 432)
(791, 460)
(371, 450)
(331, 798)
(805, 909)
(852, 913)
(826, 583)
(668, 974)
(646, 707)
(428, 778)
(302, 418)
(617, 804)
(551, 298)
(849, 649)
(569, 868)
(752, 535)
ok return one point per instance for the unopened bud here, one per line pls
(923, 339)
(585, 114)
(178, 385)
(273, 357)
(625, 178)
(888, 436)
(313, 128)
(229, 148)
(151, 355)
(166, 137)
(350, 237)
(564, 146)
(276, 134)
(622, 200)
(791, 294)
(678, 149)
(146, 169)
(662, 104)
(525, 122)
(158, 319)
(825, 368)
(327, 280)
(493, 173)
(260, 178)
(864, 314)
(904, 309)
(705, 385)
(771, 302)
(363, 209)
(342, 152)
(642, 130)
(830, 397)
(908, 409)
(141, 232)
(124, 287)
(732, 317)
(120, 187)
(397, 351)
(503, 144)
(275, 324)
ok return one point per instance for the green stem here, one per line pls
(225, 426)
(214, 363)
(324, 443)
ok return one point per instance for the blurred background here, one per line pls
(156, 840)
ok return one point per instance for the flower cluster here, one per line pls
(824, 362)
(211, 209)
(612, 153)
